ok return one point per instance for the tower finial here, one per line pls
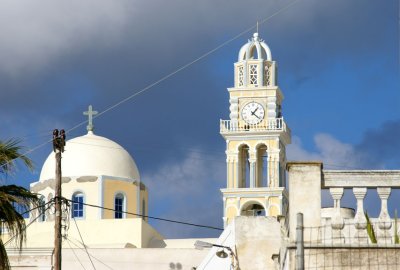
(90, 114)
(257, 27)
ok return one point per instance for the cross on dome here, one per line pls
(90, 114)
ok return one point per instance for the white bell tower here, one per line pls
(256, 137)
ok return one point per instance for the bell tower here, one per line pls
(256, 137)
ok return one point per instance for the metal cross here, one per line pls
(90, 114)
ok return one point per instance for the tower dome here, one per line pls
(255, 67)
(91, 155)
(255, 48)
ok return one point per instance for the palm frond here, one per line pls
(12, 196)
(4, 262)
(10, 218)
(10, 151)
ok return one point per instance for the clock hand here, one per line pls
(252, 113)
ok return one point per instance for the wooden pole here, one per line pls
(58, 147)
(57, 225)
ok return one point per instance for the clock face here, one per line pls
(253, 113)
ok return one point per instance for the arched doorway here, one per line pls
(252, 209)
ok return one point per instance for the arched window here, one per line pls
(77, 205)
(42, 209)
(119, 205)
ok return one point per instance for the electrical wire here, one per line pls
(29, 224)
(83, 243)
(76, 256)
(70, 240)
(163, 78)
(152, 217)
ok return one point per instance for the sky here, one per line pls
(338, 65)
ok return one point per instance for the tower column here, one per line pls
(273, 162)
(231, 169)
(260, 71)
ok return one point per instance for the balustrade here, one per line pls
(277, 124)
(358, 182)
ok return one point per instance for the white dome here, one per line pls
(91, 155)
(256, 45)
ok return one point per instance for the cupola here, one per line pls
(255, 67)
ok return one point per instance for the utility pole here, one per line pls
(58, 148)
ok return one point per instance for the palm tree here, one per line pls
(12, 195)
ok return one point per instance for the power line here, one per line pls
(76, 256)
(70, 240)
(151, 217)
(83, 243)
(26, 227)
(165, 77)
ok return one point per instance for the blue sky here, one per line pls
(338, 69)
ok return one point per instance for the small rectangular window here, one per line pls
(240, 76)
(253, 76)
(267, 75)
(119, 207)
(77, 207)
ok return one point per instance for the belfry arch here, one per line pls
(244, 166)
(252, 208)
(261, 165)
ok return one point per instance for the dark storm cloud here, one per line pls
(380, 147)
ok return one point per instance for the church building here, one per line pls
(96, 171)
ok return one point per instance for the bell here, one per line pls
(221, 254)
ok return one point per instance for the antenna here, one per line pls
(257, 26)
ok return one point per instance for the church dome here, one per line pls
(255, 49)
(91, 155)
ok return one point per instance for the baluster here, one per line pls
(360, 221)
(337, 220)
(385, 223)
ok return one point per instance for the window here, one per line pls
(267, 74)
(253, 74)
(240, 76)
(119, 206)
(77, 205)
(49, 216)
(42, 209)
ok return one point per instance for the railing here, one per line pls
(277, 124)
(354, 230)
